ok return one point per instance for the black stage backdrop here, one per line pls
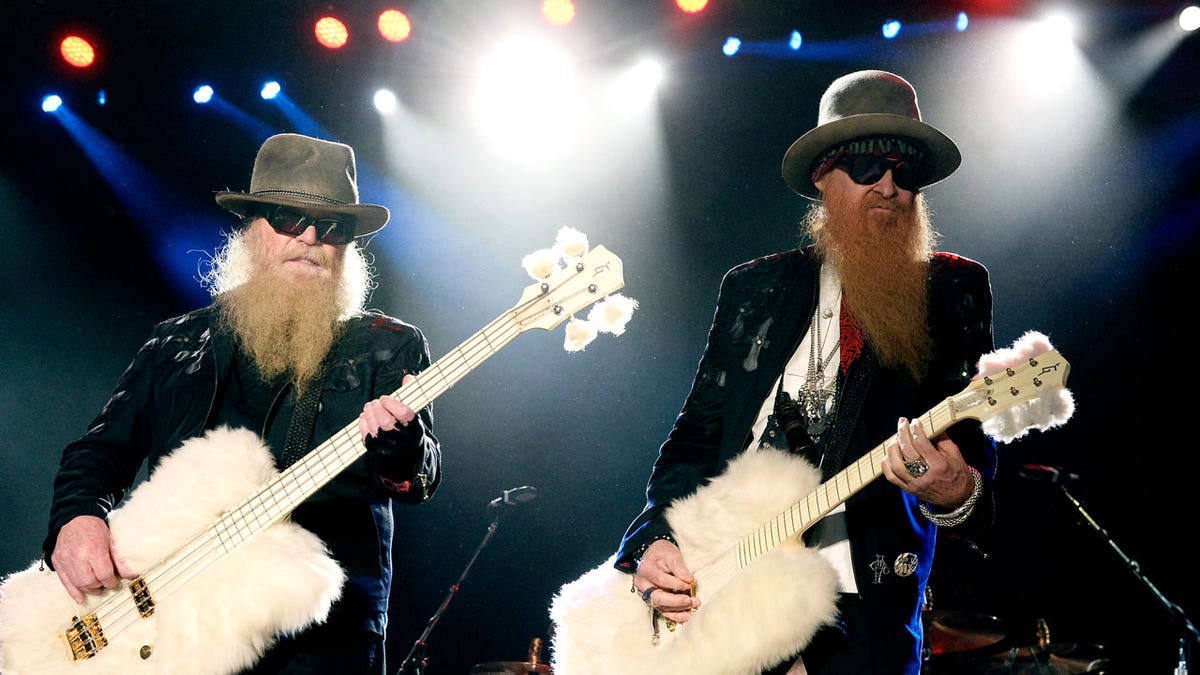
(1082, 207)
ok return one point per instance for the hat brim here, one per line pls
(368, 218)
(799, 158)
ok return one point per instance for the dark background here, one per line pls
(1083, 208)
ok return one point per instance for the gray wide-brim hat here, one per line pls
(860, 104)
(315, 176)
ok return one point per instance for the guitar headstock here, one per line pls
(1028, 392)
(582, 281)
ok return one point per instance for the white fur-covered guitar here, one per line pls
(222, 569)
(743, 544)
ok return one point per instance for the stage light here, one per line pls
(385, 101)
(394, 25)
(795, 40)
(331, 32)
(77, 51)
(960, 24)
(691, 6)
(638, 84)
(558, 12)
(731, 46)
(270, 90)
(101, 98)
(52, 103)
(891, 29)
(528, 100)
(203, 94)
(1189, 18)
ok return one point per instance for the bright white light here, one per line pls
(961, 23)
(891, 29)
(270, 90)
(385, 101)
(1189, 18)
(1045, 51)
(203, 94)
(528, 99)
(638, 84)
(731, 46)
(795, 41)
(52, 103)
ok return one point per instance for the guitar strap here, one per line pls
(833, 444)
(304, 418)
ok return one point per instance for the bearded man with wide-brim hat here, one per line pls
(816, 356)
(219, 399)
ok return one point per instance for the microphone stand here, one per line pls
(1176, 612)
(416, 660)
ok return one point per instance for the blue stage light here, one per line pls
(731, 46)
(961, 23)
(270, 90)
(891, 29)
(203, 94)
(795, 41)
(52, 103)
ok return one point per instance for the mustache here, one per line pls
(312, 255)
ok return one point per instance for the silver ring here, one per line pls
(646, 595)
(916, 468)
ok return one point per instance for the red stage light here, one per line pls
(77, 51)
(558, 12)
(331, 32)
(394, 26)
(691, 6)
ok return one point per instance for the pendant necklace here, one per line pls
(815, 398)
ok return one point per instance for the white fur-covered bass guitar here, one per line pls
(763, 593)
(222, 570)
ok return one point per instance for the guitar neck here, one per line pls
(301, 480)
(821, 501)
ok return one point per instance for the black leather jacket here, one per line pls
(169, 392)
(761, 316)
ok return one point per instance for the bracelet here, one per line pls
(957, 516)
(637, 557)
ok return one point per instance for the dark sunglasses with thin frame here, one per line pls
(868, 169)
(334, 231)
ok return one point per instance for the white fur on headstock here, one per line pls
(1051, 409)
(609, 315)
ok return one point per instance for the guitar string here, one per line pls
(180, 567)
(866, 469)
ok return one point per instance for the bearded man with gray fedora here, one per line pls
(283, 359)
(819, 353)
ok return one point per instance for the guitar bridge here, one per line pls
(85, 637)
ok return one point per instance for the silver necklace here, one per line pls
(814, 396)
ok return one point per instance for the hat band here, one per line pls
(873, 145)
(306, 195)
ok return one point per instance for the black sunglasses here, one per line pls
(868, 169)
(335, 231)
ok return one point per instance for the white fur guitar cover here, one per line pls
(222, 569)
(763, 594)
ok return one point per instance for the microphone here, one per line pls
(517, 495)
(1047, 474)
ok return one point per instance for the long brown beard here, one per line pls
(285, 325)
(883, 260)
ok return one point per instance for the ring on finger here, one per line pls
(916, 468)
(646, 595)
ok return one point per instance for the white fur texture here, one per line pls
(218, 622)
(748, 619)
(1054, 407)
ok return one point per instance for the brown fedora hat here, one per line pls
(316, 176)
(866, 103)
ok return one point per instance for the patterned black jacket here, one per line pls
(169, 392)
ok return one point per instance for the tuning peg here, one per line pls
(612, 313)
(540, 264)
(570, 244)
(579, 334)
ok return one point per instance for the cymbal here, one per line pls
(1060, 659)
(510, 668)
(955, 631)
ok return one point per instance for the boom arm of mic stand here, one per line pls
(1174, 610)
(415, 661)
